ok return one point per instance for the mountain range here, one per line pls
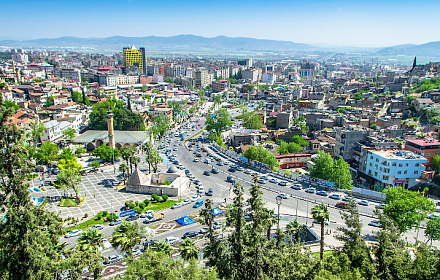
(193, 43)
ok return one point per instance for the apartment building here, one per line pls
(201, 77)
(428, 148)
(346, 139)
(68, 73)
(135, 57)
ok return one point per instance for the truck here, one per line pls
(153, 218)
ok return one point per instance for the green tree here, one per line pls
(341, 175)
(323, 167)
(79, 151)
(432, 231)
(169, 80)
(373, 126)
(49, 101)
(406, 208)
(91, 239)
(69, 179)
(37, 130)
(47, 153)
(123, 168)
(358, 96)
(258, 153)
(188, 249)
(127, 153)
(163, 247)
(218, 122)
(127, 235)
(69, 134)
(320, 214)
(252, 121)
(95, 165)
(144, 88)
(436, 163)
(104, 152)
(300, 141)
(161, 124)
(11, 104)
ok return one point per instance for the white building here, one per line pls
(68, 73)
(269, 78)
(54, 130)
(394, 167)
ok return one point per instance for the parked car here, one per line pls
(364, 202)
(264, 177)
(296, 186)
(325, 222)
(206, 160)
(115, 222)
(273, 180)
(341, 205)
(322, 193)
(210, 192)
(134, 252)
(198, 203)
(380, 206)
(98, 227)
(133, 217)
(196, 160)
(220, 163)
(261, 181)
(203, 230)
(200, 190)
(347, 198)
(310, 190)
(112, 259)
(231, 169)
(375, 223)
(335, 196)
(172, 240)
(282, 183)
(186, 201)
(190, 234)
(239, 168)
(73, 233)
(214, 171)
(195, 197)
(206, 173)
(283, 195)
(229, 179)
(177, 205)
(247, 171)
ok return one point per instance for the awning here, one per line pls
(185, 220)
(216, 212)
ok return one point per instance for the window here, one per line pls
(406, 164)
(416, 172)
(371, 164)
(399, 172)
(375, 173)
(375, 166)
(428, 154)
(380, 168)
(404, 172)
(377, 160)
(371, 157)
(400, 164)
(394, 164)
(417, 164)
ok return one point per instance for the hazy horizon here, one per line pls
(335, 23)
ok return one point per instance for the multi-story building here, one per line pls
(245, 62)
(201, 78)
(293, 160)
(389, 167)
(251, 74)
(427, 148)
(284, 119)
(69, 73)
(135, 57)
(219, 86)
(346, 139)
(174, 70)
(107, 79)
(269, 78)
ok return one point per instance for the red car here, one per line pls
(199, 125)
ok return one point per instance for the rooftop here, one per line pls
(397, 154)
(424, 142)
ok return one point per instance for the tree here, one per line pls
(123, 118)
(300, 141)
(161, 124)
(11, 104)
(258, 153)
(144, 88)
(406, 208)
(127, 153)
(336, 171)
(358, 96)
(123, 168)
(80, 151)
(163, 247)
(293, 231)
(104, 152)
(188, 250)
(135, 161)
(69, 178)
(91, 239)
(288, 148)
(49, 101)
(252, 121)
(320, 214)
(69, 134)
(432, 231)
(127, 235)
(341, 175)
(47, 153)
(169, 80)
(218, 122)
(436, 163)
(95, 165)
(37, 130)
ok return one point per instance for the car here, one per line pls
(206, 173)
(282, 183)
(190, 234)
(186, 201)
(239, 168)
(231, 169)
(210, 192)
(375, 223)
(248, 217)
(264, 177)
(197, 183)
(194, 198)
(196, 160)
(380, 206)
(116, 222)
(283, 195)
(198, 203)
(134, 252)
(73, 233)
(433, 216)
(341, 205)
(177, 205)
(227, 163)
(322, 193)
(220, 163)
(147, 213)
(206, 160)
(347, 198)
(214, 171)
(230, 179)
(133, 217)
(247, 171)
(113, 258)
(273, 180)
(172, 240)
(364, 202)
(105, 244)
(187, 171)
(175, 149)
(261, 181)
(310, 190)
(191, 149)
(198, 155)
(97, 227)
(296, 186)
(200, 190)
(335, 196)
(203, 230)
(55, 171)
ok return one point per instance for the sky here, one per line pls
(376, 23)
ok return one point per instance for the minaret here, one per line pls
(111, 135)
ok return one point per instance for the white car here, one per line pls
(105, 245)
(134, 252)
(98, 226)
(172, 240)
(364, 202)
(112, 259)
(247, 171)
(375, 223)
(73, 233)
(195, 197)
(273, 180)
(296, 187)
(186, 201)
(261, 181)
(283, 196)
(196, 160)
(177, 205)
(200, 190)
(206, 160)
(148, 213)
(310, 190)
(175, 149)
(282, 183)
(335, 196)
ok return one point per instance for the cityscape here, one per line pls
(219, 155)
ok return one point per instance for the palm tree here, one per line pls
(126, 154)
(188, 250)
(135, 160)
(320, 214)
(162, 246)
(293, 229)
(90, 239)
(127, 235)
(123, 168)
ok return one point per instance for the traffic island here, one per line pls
(72, 201)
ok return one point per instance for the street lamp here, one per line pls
(278, 200)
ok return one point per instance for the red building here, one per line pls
(293, 160)
(427, 148)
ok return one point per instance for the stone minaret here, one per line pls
(111, 134)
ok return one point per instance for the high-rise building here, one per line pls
(201, 78)
(135, 57)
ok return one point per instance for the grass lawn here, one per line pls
(71, 202)
(88, 224)
(326, 253)
(157, 206)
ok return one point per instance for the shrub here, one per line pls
(155, 197)
(136, 203)
(167, 182)
(139, 210)
(165, 197)
(86, 215)
(112, 216)
(98, 217)
(146, 201)
(104, 213)
(132, 206)
(128, 202)
(142, 205)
